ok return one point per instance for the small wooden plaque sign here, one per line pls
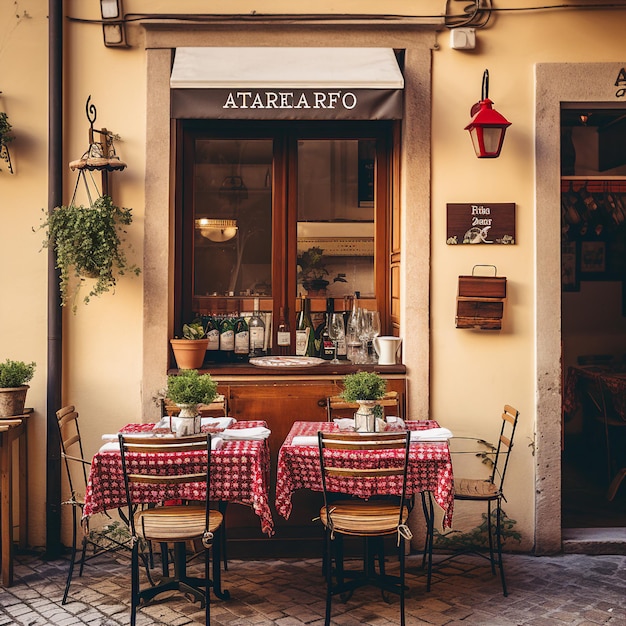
(481, 223)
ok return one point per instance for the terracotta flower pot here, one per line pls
(12, 400)
(189, 353)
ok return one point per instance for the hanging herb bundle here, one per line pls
(88, 242)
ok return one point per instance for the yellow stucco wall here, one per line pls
(472, 374)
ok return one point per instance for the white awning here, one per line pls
(294, 68)
(286, 83)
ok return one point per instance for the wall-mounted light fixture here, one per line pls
(113, 27)
(217, 230)
(487, 127)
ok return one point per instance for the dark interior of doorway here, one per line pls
(585, 476)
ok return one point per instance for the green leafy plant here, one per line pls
(194, 330)
(88, 242)
(477, 537)
(189, 387)
(312, 268)
(15, 373)
(363, 386)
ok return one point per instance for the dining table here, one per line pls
(429, 470)
(611, 381)
(240, 474)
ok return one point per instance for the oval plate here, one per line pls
(286, 361)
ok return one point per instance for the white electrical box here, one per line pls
(463, 38)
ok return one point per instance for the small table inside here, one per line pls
(430, 468)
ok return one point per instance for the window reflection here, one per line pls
(232, 200)
(336, 217)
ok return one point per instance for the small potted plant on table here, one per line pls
(13, 378)
(365, 388)
(187, 390)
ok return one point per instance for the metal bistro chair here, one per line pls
(490, 491)
(110, 537)
(178, 524)
(380, 456)
(336, 406)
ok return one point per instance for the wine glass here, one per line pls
(374, 331)
(336, 331)
(365, 328)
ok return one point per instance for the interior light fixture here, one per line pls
(217, 230)
(487, 127)
(113, 27)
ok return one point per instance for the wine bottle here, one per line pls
(227, 339)
(305, 334)
(242, 339)
(283, 334)
(327, 347)
(211, 328)
(257, 332)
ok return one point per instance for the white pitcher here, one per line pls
(387, 349)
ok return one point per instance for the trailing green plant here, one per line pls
(190, 387)
(363, 386)
(88, 242)
(194, 330)
(16, 373)
(477, 537)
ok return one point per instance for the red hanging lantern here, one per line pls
(487, 127)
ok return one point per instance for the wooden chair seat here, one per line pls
(363, 518)
(175, 523)
(468, 488)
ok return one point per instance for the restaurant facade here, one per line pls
(345, 132)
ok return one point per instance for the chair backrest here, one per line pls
(353, 463)
(336, 406)
(150, 461)
(505, 445)
(76, 466)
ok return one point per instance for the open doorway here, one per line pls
(593, 315)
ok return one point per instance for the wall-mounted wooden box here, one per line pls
(480, 301)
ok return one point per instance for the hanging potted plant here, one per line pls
(88, 242)
(13, 378)
(187, 390)
(365, 388)
(191, 349)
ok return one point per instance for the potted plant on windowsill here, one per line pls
(312, 271)
(191, 349)
(89, 243)
(187, 390)
(13, 378)
(365, 388)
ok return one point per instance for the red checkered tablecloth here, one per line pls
(240, 473)
(430, 469)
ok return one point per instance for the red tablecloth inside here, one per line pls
(240, 473)
(430, 469)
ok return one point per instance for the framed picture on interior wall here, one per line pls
(592, 259)
(570, 280)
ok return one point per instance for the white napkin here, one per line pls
(256, 433)
(431, 434)
(114, 446)
(146, 433)
(344, 423)
(304, 440)
(220, 422)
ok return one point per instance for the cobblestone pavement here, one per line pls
(573, 589)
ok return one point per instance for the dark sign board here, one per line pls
(481, 222)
